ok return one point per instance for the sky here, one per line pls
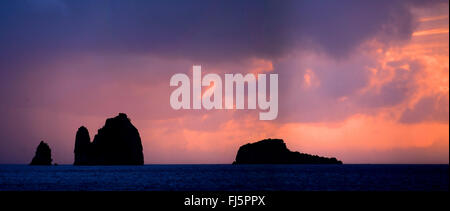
(363, 81)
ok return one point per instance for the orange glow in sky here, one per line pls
(381, 100)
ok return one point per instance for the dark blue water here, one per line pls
(225, 177)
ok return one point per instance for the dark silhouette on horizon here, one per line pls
(274, 151)
(43, 155)
(116, 143)
(82, 146)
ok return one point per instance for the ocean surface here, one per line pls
(225, 177)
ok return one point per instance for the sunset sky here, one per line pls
(363, 81)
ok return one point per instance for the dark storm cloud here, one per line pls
(199, 29)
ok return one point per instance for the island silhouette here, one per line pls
(118, 143)
(274, 151)
(43, 155)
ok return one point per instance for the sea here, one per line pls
(345, 177)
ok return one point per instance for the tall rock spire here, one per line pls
(82, 146)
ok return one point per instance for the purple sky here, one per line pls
(365, 81)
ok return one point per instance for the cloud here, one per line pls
(429, 108)
(69, 63)
(198, 30)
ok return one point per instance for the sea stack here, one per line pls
(117, 143)
(82, 146)
(43, 155)
(274, 151)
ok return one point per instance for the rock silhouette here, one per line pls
(82, 146)
(274, 151)
(116, 143)
(43, 155)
